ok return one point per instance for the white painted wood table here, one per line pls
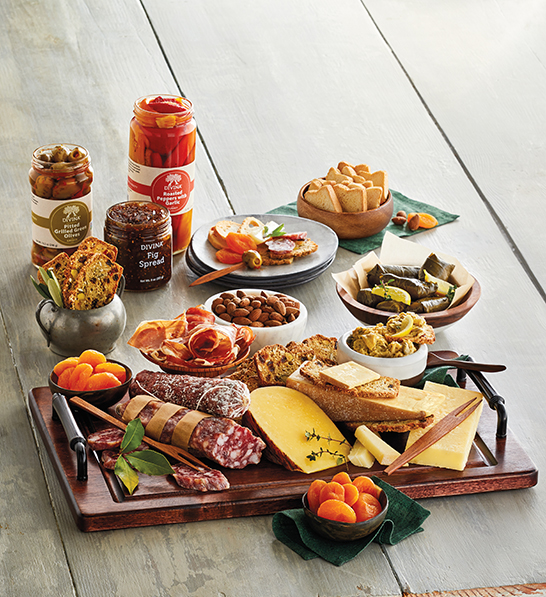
(448, 97)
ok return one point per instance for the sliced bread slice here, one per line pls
(324, 198)
(96, 283)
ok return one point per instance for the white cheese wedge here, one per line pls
(384, 453)
(281, 417)
(361, 456)
(348, 375)
(452, 450)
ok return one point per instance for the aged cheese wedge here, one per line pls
(341, 405)
(452, 450)
(361, 456)
(281, 417)
(384, 453)
(348, 375)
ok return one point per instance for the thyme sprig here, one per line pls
(340, 458)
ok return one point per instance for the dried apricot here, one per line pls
(366, 485)
(67, 363)
(80, 374)
(332, 491)
(114, 369)
(93, 357)
(425, 220)
(63, 380)
(313, 494)
(102, 381)
(351, 493)
(366, 507)
(342, 478)
(337, 510)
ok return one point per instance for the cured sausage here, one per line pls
(280, 247)
(109, 438)
(199, 480)
(219, 439)
(214, 396)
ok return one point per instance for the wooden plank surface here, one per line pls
(282, 92)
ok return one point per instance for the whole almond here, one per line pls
(399, 220)
(241, 320)
(255, 314)
(271, 323)
(276, 316)
(413, 222)
(240, 312)
(225, 316)
(402, 214)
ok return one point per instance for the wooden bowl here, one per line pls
(348, 225)
(440, 319)
(212, 371)
(99, 398)
(346, 531)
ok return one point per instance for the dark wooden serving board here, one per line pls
(100, 503)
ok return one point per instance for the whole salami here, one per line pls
(219, 439)
(215, 396)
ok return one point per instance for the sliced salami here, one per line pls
(281, 246)
(199, 480)
(105, 439)
(109, 459)
(215, 396)
(219, 439)
(296, 235)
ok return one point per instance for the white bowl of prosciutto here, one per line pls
(273, 317)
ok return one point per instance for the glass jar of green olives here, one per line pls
(62, 202)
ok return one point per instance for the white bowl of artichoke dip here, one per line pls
(397, 349)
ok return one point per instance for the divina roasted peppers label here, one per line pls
(59, 224)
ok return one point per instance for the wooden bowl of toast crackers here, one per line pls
(353, 201)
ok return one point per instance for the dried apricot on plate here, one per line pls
(342, 478)
(66, 364)
(80, 374)
(114, 369)
(366, 507)
(337, 510)
(93, 357)
(332, 491)
(313, 494)
(102, 381)
(366, 485)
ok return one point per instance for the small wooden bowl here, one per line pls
(346, 531)
(440, 319)
(212, 371)
(348, 225)
(99, 398)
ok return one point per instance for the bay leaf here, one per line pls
(126, 474)
(150, 462)
(133, 436)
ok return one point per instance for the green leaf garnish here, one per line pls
(340, 458)
(41, 288)
(279, 231)
(150, 462)
(133, 436)
(126, 474)
(50, 289)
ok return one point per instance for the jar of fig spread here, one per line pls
(142, 232)
(162, 159)
(62, 203)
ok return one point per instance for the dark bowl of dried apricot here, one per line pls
(97, 380)
(334, 517)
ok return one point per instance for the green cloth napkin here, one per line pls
(401, 202)
(404, 518)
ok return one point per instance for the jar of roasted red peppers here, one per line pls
(162, 159)
(62, 202)
(142, 232)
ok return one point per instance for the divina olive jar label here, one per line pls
(62, 201)
(142, 232)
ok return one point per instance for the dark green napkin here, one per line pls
(404, 518)
(401, 202)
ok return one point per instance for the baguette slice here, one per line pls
(217, 234)
(324, 198)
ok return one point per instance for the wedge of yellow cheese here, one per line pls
(341, 405)
(281, 417)
(348, 375)
(452, 450)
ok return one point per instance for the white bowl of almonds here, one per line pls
(274, 317)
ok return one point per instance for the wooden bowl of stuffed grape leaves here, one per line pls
(429, 290)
